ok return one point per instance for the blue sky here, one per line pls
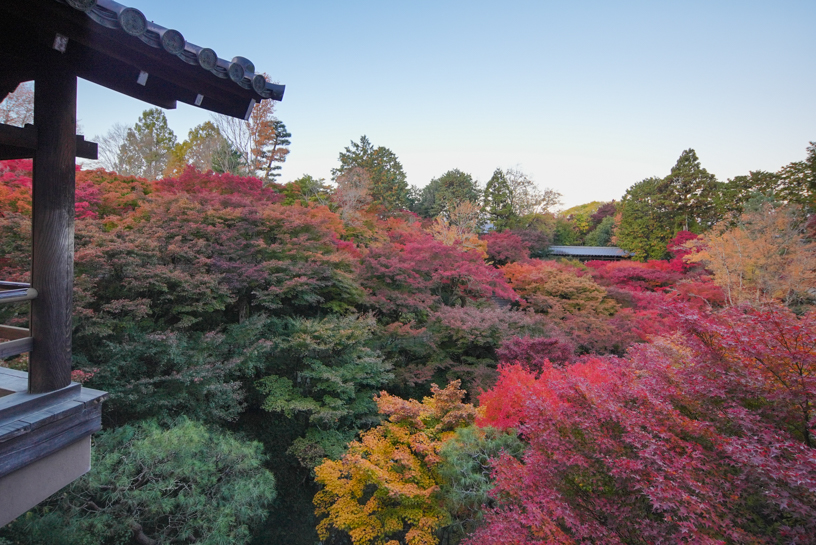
(586, 97)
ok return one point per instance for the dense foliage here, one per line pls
(648, 448)
(386, 486)
(350, 334)
(149, 485)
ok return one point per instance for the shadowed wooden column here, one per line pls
(52, 265)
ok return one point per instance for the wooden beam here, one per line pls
(18, 137)
(52, 264)
(21, 142)
(10, 152)
(20, 346)
(86, 150)
(13, 333)
(53, 427)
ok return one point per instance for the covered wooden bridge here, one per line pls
(45, 419)
(590, 253)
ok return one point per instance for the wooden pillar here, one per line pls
(52, 265)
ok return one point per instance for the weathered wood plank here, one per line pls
(52, 268)
(13, 333)
(11, 379)
(21, 143)
(86, 150)
(9, 349)
(17, 405)
(18, 137)
(13, 429)
(30, 447)
(52, 414)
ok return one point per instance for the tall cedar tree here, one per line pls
(388, 182)
(498, 201)
(688, 194)
(798, 184)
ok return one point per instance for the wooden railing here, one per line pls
(20, 339)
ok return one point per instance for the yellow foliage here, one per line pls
(453, 235)
(385, 487)
(764, 257)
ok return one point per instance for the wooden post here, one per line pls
(52, 265)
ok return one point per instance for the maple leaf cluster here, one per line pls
(704, 436)
(618, 402)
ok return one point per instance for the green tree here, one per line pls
(736, 192)
(565, 233)
(798, 181)
(654, 210)
(688, 194)
(148, 145)
(601, 235)
(388, 182)
(498, 201)
(228, 160)
(203, 143)
(325, 376)
(645, 226)
(149, 485)
(466, 475)
(446, 192)
(307, 189)
(579, 220)
(511, 196)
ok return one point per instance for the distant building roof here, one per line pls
(118, 47)
(585, 252)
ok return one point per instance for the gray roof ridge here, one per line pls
(113, 15)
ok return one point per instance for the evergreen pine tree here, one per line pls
(498, 201)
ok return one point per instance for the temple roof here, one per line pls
(589, 251)
(115, 46)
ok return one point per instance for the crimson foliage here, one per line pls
(505, 247)
(698, 438)
(412, 274)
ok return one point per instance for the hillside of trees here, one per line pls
(360, 361)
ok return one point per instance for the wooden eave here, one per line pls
(33, 34)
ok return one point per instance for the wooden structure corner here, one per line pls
(45, 419)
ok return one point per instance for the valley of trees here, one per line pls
(361, 361)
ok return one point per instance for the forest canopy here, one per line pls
(362, 361)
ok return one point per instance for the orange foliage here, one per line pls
(764, 257)
(387, 481)
(558, 289)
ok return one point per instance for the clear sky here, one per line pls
(586, 97)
